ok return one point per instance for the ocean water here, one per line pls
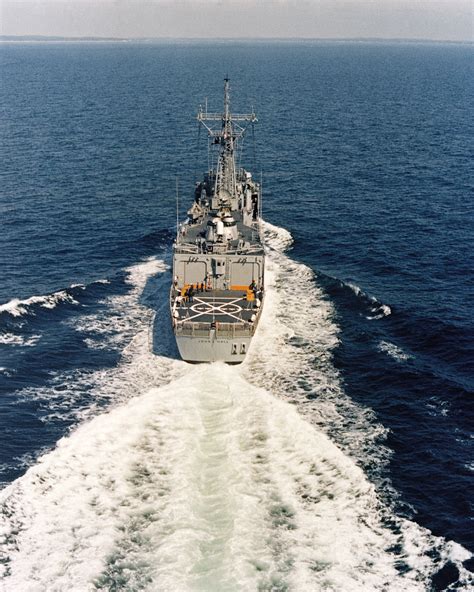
(339, 456)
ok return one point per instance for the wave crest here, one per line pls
(18, 308)
(29, 306)
(378, 309)
(278, 239)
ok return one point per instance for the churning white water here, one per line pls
(217, 478)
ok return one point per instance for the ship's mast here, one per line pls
(225, 179)
(226, 99)
(231, 131)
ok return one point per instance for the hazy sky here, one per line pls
(420, 19)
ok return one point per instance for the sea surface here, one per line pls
(339, 456)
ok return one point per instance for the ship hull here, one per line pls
(201, 349)
(214, 325)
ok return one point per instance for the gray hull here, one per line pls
(213, 348)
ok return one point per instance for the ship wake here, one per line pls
(219, 478)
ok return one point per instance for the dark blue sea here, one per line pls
(339, 456)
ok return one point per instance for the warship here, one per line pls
(217, 293)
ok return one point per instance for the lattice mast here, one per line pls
(227, 137)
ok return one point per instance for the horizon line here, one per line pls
(85, 38)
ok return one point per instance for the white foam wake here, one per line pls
(291, 355)
(125, 323)
(394, 351)
(122, 315)
(208, 483)
(12, 339)
(276, 238)
(379, 311)
(216, 478)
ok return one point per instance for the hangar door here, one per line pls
(191, 273)
(242, 273)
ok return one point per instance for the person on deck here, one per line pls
(253, 287)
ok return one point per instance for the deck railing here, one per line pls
(227, 330)
(218, 248)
